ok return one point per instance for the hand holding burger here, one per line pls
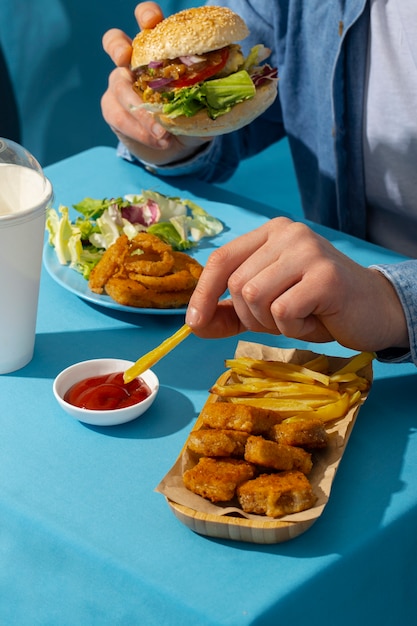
(135, 127)
(122, 107)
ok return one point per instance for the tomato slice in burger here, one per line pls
(214, 64)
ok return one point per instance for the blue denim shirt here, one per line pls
(319, 47)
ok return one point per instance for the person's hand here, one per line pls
(285, 279)
(136, 128)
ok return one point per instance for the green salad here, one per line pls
(81, 243)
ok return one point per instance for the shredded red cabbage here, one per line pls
(263, 73)
(144, 214)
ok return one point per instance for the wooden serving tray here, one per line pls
(229, 522)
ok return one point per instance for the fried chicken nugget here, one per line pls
(250, 419)
(276, 494)
(304, 432)
(217, 443)
(217, 479)
(277, 456)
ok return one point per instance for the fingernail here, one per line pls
(160, 134)
(147, 17)
(119, 54)
(193, 317)
(158, 131)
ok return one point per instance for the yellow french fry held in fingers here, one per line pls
(148, 360)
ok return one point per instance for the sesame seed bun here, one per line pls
(192, 31)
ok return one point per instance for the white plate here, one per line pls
(236, 222)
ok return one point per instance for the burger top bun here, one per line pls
(192, 31)
(200, 125)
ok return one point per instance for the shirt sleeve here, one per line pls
(403, 277)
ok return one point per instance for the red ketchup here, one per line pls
(107, 392)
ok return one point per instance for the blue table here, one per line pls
(84, 538)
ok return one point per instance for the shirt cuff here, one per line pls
(180, 168)
(402, 278)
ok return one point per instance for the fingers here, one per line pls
(224, 323)
(227, 267)
(138, 128)
(285, 279)
(148, 14)
(262, 278)
(294, 313)
(118, 107)
(267, 273)
(271, 278)
(118, 46)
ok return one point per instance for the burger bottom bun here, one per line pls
(201, 125)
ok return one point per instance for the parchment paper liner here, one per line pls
(325, 462)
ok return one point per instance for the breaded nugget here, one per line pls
(277, 456)
(243, 417)
(276, 494)
(303, 432)
(217, 479)
(216, 442)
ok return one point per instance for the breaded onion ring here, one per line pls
(171, 282)
(102, 272)
(129, 292)
(146, 273)
(185, 274)
(154, 257)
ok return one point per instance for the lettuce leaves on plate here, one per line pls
(81, 243)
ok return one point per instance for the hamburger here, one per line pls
(191, 73)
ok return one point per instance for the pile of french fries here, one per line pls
(292, 390)
(308, 390)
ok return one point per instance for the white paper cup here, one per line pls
(25, 194)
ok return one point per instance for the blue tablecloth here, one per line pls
(84, 538)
